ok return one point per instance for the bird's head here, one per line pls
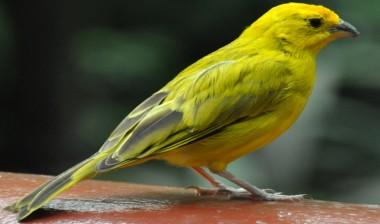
(301, 26)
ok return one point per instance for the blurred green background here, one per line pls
(71, 70)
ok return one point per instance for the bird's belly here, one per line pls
(238, 139)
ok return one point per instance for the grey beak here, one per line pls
(345, 27)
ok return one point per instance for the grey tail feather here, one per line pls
(40, 196)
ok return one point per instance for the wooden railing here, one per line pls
(113, 202)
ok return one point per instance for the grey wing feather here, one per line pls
(149, 131)
(132, 120)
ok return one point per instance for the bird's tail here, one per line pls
(42, 195)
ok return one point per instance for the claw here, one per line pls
(278, 196)
(268, 190)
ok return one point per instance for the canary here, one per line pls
(227, 104)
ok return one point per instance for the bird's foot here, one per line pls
(257, 193)
(226, 192)
(271, 195)
(240, 193)
(200, 191)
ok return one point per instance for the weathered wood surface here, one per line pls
(112, 202)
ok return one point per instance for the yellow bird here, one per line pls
(224, 106)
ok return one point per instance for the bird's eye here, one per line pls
(315, 22)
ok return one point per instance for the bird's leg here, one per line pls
(255, 192)
(219, 188)
(211, 180)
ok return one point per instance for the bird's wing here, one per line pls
(130, 121)
(193, 107)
